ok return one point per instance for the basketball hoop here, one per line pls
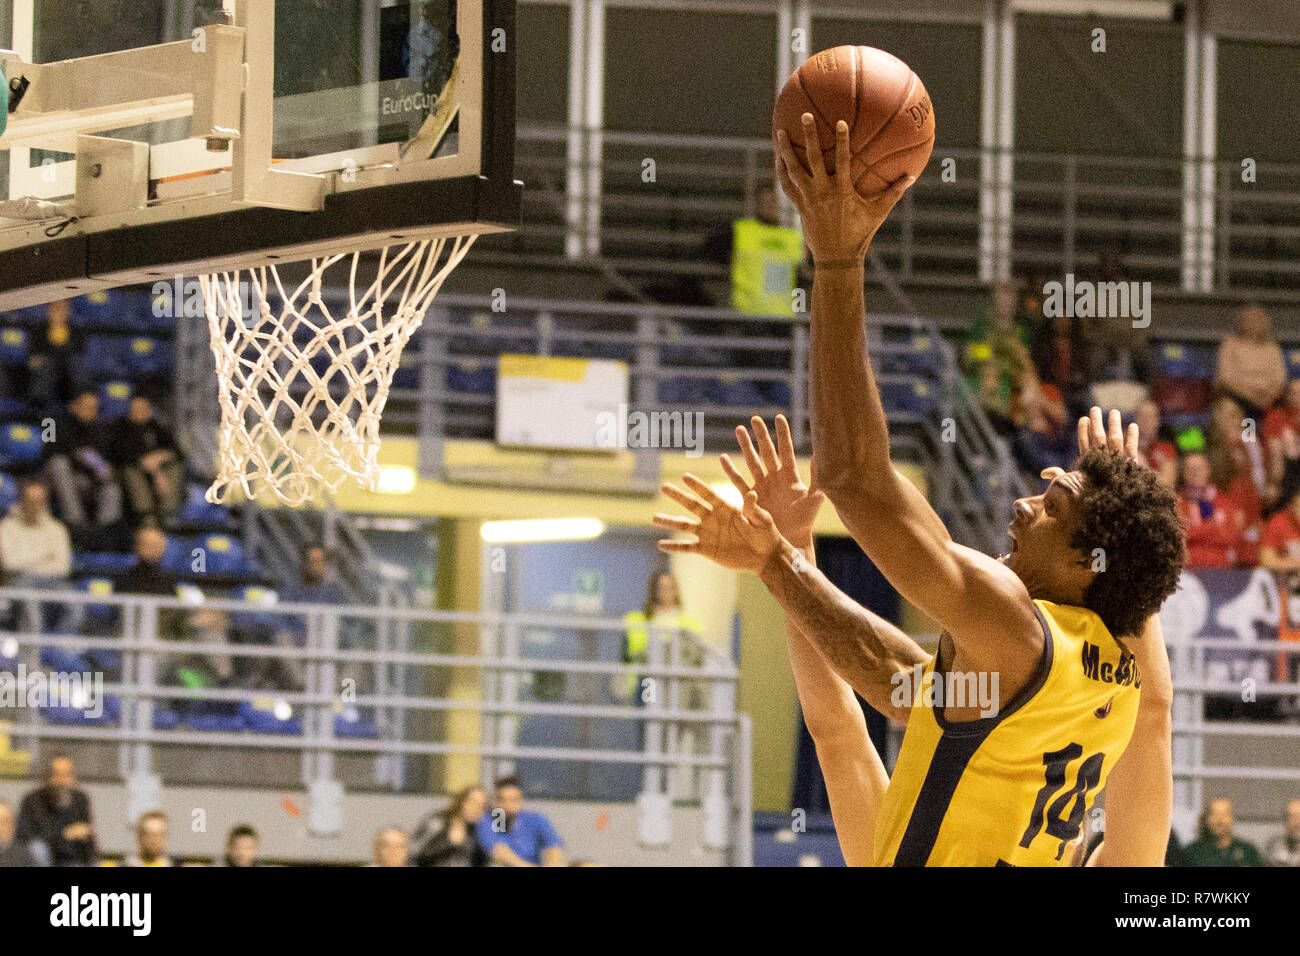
(302, 389)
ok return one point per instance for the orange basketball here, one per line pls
(890, 117)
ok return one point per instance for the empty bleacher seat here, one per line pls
(148, 356)
(20, 445)
(197, 510)
(734, 391)
(101, 562)
(13, 408)
(683, 390)
(109, 716)
(225, 556)
(98, 618)
(474, 376)
(13, 346)
(910, 397)
(1179, 360)
(114, 399)
(266, 715)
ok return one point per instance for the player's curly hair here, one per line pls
(1134, 520)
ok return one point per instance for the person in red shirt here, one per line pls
(1236, 454)
(1280, 552)
(1156, 453)
(1214, 521)
(1282, 445)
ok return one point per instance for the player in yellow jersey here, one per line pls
(1007, 780)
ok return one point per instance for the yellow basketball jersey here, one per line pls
(1013, 789)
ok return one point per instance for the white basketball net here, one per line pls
(301, 388)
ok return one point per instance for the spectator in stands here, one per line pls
(1216, 846)
(1279, 548)
(147, 576)
(1060, 354)
(13, 852)
(1159, 454)
(1236, 454)
(1120, 352)
(151, 833)
(1251, 368)
(149, 461)
(514, 836)
(34, 545)
(1282, 448)
(456, 842)
(1214, 523)
(55, 821)
(1284, 849)
(78, 467)
(997, 353)
(1042, 438)
(242, 847)
(51, 356)
(392, 848)
(316, 585)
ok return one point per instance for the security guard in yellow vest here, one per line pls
(764, 265)
(636, 646)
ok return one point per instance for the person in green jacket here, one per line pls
(1216, 845)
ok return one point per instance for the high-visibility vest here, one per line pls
(763, 263)
(637, 627)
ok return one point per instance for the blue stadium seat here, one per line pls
(474, 376)
(98, 618)
(8, 492)
(62, 659)
(19, 445)
(684, 391)
(164, 718)
(114, 399)
(778, 394)
(264, 621)
(259, 716)
(734, 391)
(101, 562)
(1292, 363)
(148, 356)
(104, 357)
(224, 555)
(197, 510)
(13, 408)
(1179, 360)
(918, 355)
(177, 556)
(351, 726)
(73, 716)
(913, 397)
(13, 346)
(213, 720)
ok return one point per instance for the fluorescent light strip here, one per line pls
(544, 529)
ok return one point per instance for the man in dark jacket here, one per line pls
(56, 818)
(151, 465)
(78, 466)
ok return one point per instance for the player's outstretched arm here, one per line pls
(1140, 789)
(851, 767)
(983, 605)
(860, 646)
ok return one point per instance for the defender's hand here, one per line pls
(1092, 435)
(740, 540)
(838, 223)
(775, 478)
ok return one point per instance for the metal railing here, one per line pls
(723, 366)
(378, 667)
(1066, 209)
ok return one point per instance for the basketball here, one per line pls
(890, 117)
